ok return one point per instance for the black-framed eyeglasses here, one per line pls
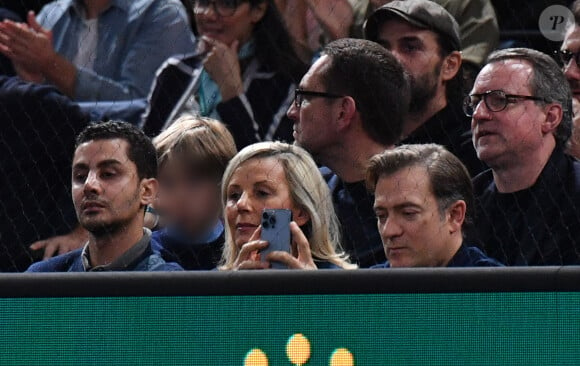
(565, 56)
(299, 95)
(495, 101)
(224, 8)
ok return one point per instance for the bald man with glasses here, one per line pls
(528, 206)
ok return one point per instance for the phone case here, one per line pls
(276, 231)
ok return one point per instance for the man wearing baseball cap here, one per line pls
(425, 38)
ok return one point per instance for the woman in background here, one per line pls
(244, 73)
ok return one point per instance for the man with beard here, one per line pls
(113, 180)
(424, 37)
(478, 27)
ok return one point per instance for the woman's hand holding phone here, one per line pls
(300, 243)
(250, 257)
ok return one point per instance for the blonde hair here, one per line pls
(205, 145)
(308, 191)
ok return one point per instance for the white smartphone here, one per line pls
(276, 231)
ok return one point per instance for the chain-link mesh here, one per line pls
(39, 126)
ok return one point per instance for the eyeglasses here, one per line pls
(565, 56)
(299, 95)
(224, 8)
(495, 101)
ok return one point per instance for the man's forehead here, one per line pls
(99, 150)
(403, 29)
(504, 74)
(313, 76)
(572, 38)
(410, 184)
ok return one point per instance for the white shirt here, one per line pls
(87, 45)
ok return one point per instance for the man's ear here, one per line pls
(554, 114)
(451, 65)
(346, 112)
(149, 188)
(456, 216)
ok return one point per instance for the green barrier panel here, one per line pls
(498, 328)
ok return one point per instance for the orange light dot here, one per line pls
(256, 357)
(341, 357)
(298, 349)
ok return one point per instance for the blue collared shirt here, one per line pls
(134, 38)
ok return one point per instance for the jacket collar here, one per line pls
(127, 260)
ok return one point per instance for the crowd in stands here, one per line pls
(152, 135)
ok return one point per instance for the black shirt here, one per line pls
(353, 204)
(451, 128)
(539, 225)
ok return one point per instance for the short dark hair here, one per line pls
(378, 83)
(449, 179)
(141, 150)
(548, 82)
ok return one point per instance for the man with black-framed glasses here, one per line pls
(348, 107)
(528, 203)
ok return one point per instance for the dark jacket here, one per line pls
(39, 126)
(353, 204)
(539, 225)
(258, 114)
(140, 257)
(466, 256)
(191, 255)
(451, 128)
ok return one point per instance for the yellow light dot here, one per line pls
(341, 357)
(298, 349)
(256, 357)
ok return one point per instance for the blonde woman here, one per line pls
(276, 175)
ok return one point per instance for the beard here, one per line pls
(118, 218)
(423, 89)
(103, 228)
